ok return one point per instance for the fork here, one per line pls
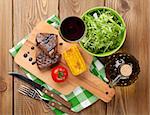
(33, 93)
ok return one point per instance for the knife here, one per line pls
(41, 88)
(34, 94)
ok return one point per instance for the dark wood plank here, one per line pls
(76, 8)
(27, 13)
(134, 100)
(6, 102)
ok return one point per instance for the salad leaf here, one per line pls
(104, 31)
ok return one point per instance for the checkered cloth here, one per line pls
(79, 97)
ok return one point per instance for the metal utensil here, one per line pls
(41, 88)
(33, 93)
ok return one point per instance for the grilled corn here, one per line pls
(74, 60)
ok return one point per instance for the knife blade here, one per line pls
(41, 88)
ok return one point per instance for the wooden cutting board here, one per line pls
(87, 80)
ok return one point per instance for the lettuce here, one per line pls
(104, 31)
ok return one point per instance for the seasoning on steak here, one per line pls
(47, 42)
(44, 61)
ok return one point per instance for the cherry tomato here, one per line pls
(59, 74)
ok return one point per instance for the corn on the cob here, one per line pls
(74, 60)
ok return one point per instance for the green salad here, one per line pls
(105, 31)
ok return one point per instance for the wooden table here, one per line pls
(19, 17)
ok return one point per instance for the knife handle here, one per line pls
(56, 97)
(60, 107)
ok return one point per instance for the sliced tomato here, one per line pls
(59, 74)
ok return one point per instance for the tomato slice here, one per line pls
(59, 74)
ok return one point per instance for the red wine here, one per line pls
(72, 29)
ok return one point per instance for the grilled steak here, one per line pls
(47, 42)
(45, 62)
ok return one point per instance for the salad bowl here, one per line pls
(106, 31)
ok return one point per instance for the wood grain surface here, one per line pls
(26, 14)
(134, 99)
(6, 96)
(19, 17)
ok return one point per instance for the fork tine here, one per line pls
(27, 89)
(29, 92)
(24, 87)
(22, 91)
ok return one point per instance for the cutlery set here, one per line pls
(33, 93)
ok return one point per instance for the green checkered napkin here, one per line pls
(79, 98)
